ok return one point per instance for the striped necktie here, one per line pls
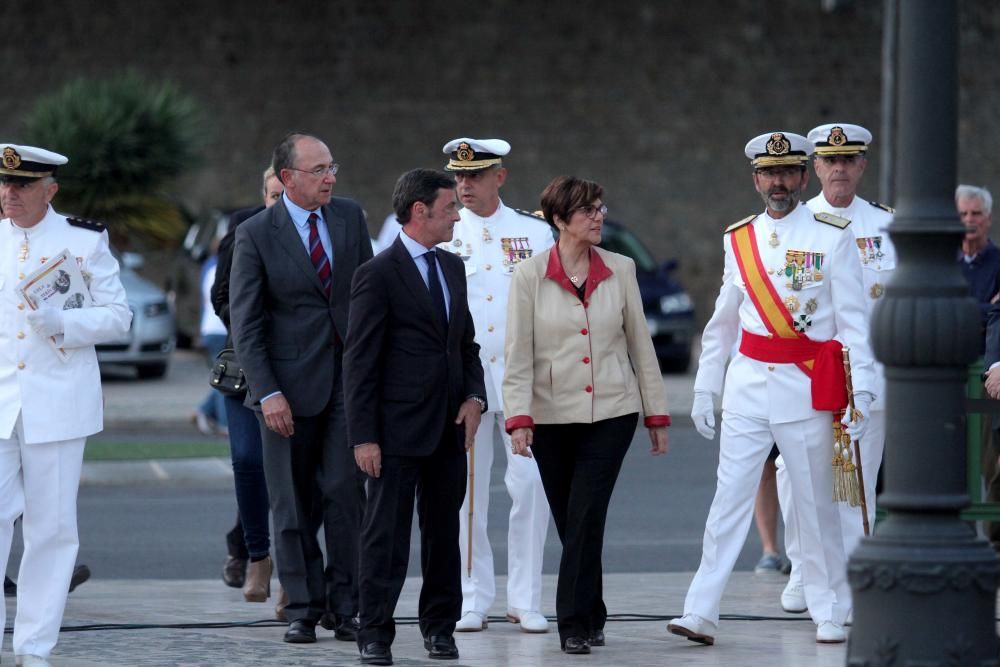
(318, 256)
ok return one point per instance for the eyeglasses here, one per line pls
(592, 211)
(319, 172)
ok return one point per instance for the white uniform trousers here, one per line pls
(744, 446)
(527, 527)
(851, 527)
(39, 482)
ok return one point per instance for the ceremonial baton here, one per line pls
(472, 503)
(857, 445)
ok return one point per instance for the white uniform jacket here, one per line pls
(573, 362)
(878, 259)
(58, 400)
(491, 248)
(829, 307)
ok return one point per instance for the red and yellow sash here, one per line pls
(819, 360)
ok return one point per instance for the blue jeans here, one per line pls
(212, 406)
(248, 473)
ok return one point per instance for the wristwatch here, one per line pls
(480, 400)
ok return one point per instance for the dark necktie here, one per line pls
(318, 256)
(434, 285)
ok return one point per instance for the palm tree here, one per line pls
(127, 138)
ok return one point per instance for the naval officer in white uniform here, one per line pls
(790, 286)
(492, 239)
(48, 405)
(839, 162)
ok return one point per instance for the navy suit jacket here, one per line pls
(405, 376)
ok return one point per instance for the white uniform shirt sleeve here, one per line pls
(109, 317)
(722, 330)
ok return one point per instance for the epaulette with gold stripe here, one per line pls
(882, 206)
(834, 220)
(537, 215)
(92, 225)
(737, 225)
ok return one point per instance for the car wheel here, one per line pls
(675, 364)
(149, 371)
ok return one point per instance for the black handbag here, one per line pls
(227, 376)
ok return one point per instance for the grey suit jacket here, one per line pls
(285, 330)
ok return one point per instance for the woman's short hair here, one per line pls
(565, 194)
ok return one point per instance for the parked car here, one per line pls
(152, 336)
(669, 309)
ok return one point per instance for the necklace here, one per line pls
(575, 280)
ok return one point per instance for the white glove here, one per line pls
(46, 321)
(703, 414)
(862, 404)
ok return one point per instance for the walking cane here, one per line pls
(472, 503)
(857, 445)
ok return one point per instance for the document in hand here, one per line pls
(59, 284)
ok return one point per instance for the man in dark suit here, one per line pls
(414, 400)
(990, 454)
(289, 285)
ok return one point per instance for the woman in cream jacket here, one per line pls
(580, 368)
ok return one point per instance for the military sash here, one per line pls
(819, 360)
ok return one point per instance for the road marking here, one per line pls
(158, 470)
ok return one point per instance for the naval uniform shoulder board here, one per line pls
(529, 214)
(834, 220)
(92, 225)
(737, 225)
(888, 209)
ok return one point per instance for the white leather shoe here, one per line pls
(471, 621)
(31, 661)
(829, 632)
(694, 628)
(793, 598)
(531, 621)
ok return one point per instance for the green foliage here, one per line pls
(126, 138)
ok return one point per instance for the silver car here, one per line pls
(152, 337)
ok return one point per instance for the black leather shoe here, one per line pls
(597, 638)
(441, 647)
(234, 572)
(376, 653)
(576, 646)
(81, 573)
(345, 628)
(300, 632)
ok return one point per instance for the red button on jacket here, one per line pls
(588, 389)
(583, 331)
(586, 360)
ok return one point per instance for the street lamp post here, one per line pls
(925, 585)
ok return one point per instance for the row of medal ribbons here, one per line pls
(803, 267)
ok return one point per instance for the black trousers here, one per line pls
(312, 479)
(579, 465)
(438, 484)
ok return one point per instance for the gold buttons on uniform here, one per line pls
(493, 359)
(20, 306)
(489, 297)
(488, 267)
(489, 328)
(770, 368)
(20, 365)
(20, 276)
(20, 334)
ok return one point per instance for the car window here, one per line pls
(622, 241)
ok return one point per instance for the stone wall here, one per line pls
(653, 99)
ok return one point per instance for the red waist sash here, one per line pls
(829, 381)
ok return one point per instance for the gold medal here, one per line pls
(792, 303)
(487, 237)
(876, 290)
(773, 241)
(811, 306)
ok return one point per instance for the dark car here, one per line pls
(669, 309)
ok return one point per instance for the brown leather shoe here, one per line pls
(279, 608)
(258, 585)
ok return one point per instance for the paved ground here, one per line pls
(107, 625)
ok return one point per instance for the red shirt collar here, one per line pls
(599, 272)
